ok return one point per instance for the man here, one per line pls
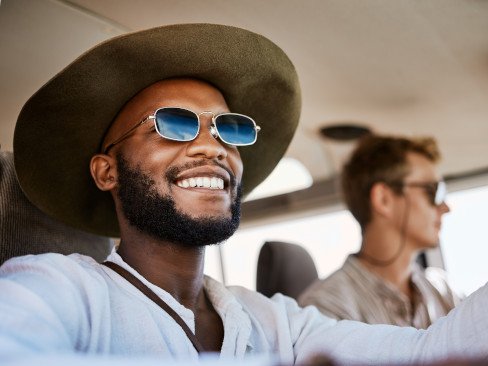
(148, 112)
(392, 188)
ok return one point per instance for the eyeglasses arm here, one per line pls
(125, 134)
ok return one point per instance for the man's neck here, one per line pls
(179, 271)
(396, 255)
(172, 267)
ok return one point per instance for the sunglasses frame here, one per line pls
(435, 199)
(213, 127)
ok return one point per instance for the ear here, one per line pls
(103, 169)
(382, 199)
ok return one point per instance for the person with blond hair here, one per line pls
(393, 189)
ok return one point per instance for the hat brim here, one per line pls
(62, 126)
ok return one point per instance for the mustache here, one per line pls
(173, 172)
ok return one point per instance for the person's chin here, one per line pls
(431, 244)
(206, 215)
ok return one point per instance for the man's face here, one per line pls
(155, 173)
(424, 218)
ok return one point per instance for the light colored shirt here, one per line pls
(75, 309)
(355, 293)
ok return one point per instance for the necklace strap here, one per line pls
(155, 298)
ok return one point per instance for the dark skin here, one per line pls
(175, 268)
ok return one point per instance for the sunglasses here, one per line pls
(436, 191)
(180, 124)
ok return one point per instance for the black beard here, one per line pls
(156, 215)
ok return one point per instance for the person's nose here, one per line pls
(444, 208)
(206, 144)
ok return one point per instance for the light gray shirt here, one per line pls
(355, 293)
(75, 311)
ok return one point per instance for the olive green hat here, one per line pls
(62, 125)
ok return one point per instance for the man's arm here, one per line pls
(461, 334)
(38, 319)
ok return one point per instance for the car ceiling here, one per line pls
(397, 67)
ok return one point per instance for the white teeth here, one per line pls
(203, 182)
(206, 182)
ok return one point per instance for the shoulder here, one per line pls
(259, 306)
(44, 270)
(63, 297)
(337, 285)
(280, 313)
(47, 260)
(335, 296)
(439, 279)
(45, 279)
(251, 301)
(255, 302)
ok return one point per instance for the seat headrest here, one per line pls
(24, 229)
(284, 267)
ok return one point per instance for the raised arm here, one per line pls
(463, 333)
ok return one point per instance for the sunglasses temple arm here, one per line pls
(125, 134)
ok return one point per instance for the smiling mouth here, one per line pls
(216, 183)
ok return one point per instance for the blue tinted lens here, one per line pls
(235, 129)
(177, 124)
(440, 193)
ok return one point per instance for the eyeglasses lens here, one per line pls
(236, 129)
(440, 193)
(182, 125)
(177, 124)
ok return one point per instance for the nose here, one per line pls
(444, 208)
(206, 144)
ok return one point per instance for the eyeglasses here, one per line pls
(180, 124)
(436, 191)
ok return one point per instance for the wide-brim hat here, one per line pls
(63, 124)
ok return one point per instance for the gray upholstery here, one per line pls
(24, 229)
(284, 267)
